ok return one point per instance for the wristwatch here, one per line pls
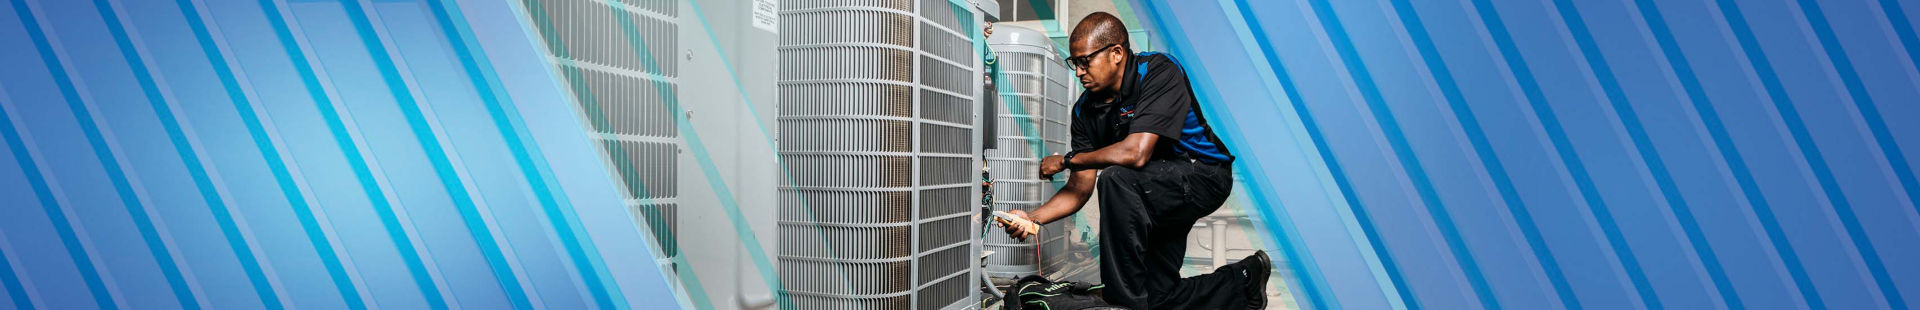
(1066, 161)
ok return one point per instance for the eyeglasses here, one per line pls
(1080, 62)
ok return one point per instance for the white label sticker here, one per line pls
(766, 15)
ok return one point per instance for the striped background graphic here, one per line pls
(250, 154)
(1597, 154)
(1449, 154)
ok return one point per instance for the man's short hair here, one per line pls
(1101, 29)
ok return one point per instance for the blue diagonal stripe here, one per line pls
(243, 250)
(82, 262)
(1410, 164)
(1642, 145)
(1482, 149)
(566, 227)
(1803, 140)
(189, 157)
(117, 177)
(1340, 179)
(48, 203)
(331, 259)
(1318, 293)
(411, 109)
(1729, 154)
(1837, 56)
(9, 280)
(1557, 136)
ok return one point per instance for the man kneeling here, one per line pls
(1139, 136)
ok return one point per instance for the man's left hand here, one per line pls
(1022, 228)
(1051, 165)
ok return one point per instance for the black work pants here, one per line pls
(1145, 215)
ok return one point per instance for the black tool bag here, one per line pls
(1038, 293)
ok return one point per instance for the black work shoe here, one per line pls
(1257, 267)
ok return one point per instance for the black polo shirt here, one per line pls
(1156, 98)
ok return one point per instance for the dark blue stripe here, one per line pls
(1543, 110)
(449, 176)
(9, 280)
(188, 156)
(101, 153)
(82, 262)
(1642, 144)
(1319, 295)
(1729, 154)
(1409, 163)
(1340, 180)
(1802, 139)
(1903, 29)
(563, 223)
(315, 233)
(1871, 115)
(1470, 124)
(222, 215)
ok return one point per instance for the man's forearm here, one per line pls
(1132, 152)
(1068, 200)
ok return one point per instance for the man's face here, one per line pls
(1101, 74)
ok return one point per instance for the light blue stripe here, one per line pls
(1483, 150)
(1361, 217)
(9, 280)
(1902, 28)
(1837, 55)
(1729, 154)
(584, 258)
(1318, 293)
(62, 79)
(143, 222)
(188, 156)
(489, 247)
(307, 215)
(690, 279)
(1410, 164)
(1783, 104)
(82, 262)
(223, 214)
(1610, 85)
(1543, 111)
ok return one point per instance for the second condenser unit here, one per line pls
(877, 134)
(1032, 116)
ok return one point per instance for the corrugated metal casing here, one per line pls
(877, 134)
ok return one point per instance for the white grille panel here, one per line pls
(877, 136)
(617, 58)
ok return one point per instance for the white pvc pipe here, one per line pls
(1219, 227)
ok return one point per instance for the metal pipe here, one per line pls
(1219, 229)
